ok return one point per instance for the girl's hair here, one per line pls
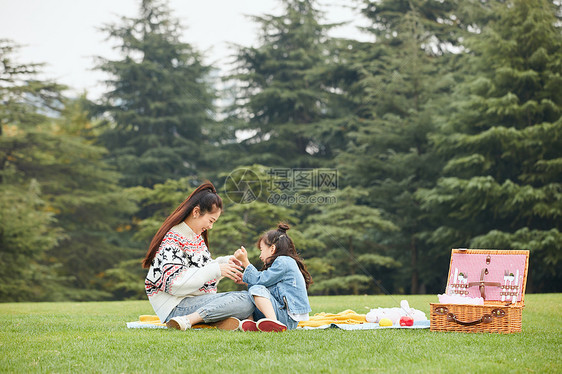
(283, 247)
(205, 197)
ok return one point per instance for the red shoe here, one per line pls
(248, 325)
(270, 325)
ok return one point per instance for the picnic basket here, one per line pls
(499, 277)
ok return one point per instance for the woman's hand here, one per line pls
(233, 260)
(232, 271)
(242, 255)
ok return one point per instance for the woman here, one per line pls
(182, 279)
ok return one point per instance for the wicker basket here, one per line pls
(495, 315)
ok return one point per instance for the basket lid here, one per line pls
(495, 275)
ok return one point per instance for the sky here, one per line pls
(64, 34)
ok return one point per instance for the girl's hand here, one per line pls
(242, 255)
(231, 271)
(239, 254)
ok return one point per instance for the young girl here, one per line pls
(181, 282)
(279, 291)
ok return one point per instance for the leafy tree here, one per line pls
(501, 186)
(160, 100)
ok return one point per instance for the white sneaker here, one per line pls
(179, 323)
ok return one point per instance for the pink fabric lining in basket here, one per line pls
(468, 268)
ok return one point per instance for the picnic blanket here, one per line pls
(350, 320)
(346, 320)
(153, 322)
(147, 322)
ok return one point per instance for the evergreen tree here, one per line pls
(400, 83)
(160, 100)
(343, 231)
(28, 228)
(501, 186)
(442, 27)
(25, 99)
(60, 201)
(90, 206)
(283, 101)
(80, 193)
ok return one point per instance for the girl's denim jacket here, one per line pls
(285, 282)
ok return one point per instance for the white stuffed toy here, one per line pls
(394, 314)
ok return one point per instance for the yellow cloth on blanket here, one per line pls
(153, 320)
(348, 317)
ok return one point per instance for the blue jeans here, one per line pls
(216, 306)
(281, 310)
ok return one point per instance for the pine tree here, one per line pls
(80, 194)
(28, 228)
(343, 233)
(91, 207)
(160, 99)
(283, 102)
(25, 99)
(501, 186)
(60, 201)
(400, 83)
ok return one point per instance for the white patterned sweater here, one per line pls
(182, 267)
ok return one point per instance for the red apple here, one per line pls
(406, 321)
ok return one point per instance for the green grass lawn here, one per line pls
(92, 337)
